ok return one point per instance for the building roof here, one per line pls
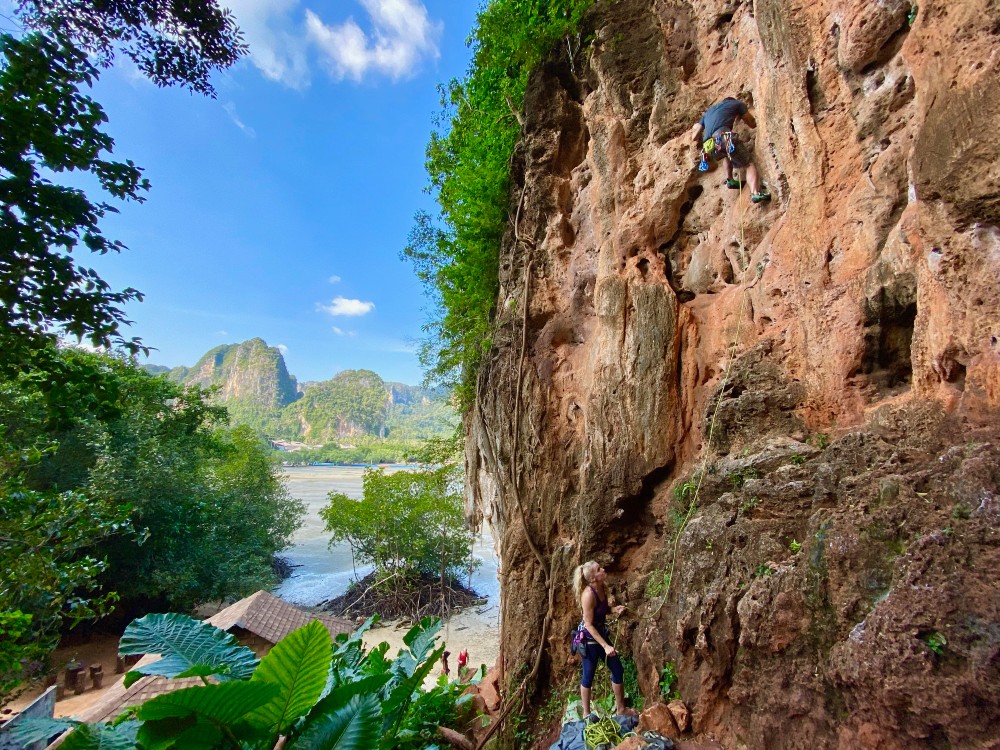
(271, 618)
(262, 614)
(118, 697)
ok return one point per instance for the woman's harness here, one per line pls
(721, 145)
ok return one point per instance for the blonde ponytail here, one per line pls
(581, 576)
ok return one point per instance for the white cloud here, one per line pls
(231, 111)
(282, 348)
(276, 40)
(334, 279)
(222, 333)
(342, 332)
(348, 307)
(399, 37)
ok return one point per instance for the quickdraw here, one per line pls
(724, 142)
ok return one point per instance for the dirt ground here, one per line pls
(100, 649)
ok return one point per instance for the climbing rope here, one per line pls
(693, 504)
(604, 732)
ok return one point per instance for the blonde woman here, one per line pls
(588, 585)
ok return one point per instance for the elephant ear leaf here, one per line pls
(420, 638)
(355, 725)
(298, 664)
(187, 647)
(198, 717)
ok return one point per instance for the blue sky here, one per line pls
(280, 208)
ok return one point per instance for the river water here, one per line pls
(325, 572)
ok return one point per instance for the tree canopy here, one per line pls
(456, 253)
(408, 522)
(173, 42)
(142, 495)
(48, 126)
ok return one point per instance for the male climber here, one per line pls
(714, 133)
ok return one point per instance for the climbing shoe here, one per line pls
(761, 197)
(733, 184)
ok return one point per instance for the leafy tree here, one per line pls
(49, 575)
(408, 522)
(47, 125)
(308, 693)
(456, 253)
(210, 500)
(171, 41)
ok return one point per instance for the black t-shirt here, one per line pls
(722, 116)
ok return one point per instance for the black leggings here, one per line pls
(594, 653)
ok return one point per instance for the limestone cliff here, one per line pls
(817, 380)
(250, 373)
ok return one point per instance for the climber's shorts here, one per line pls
(716, 148)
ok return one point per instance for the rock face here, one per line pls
(776, 425)
(250, 372)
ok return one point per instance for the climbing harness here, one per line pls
(720, 145)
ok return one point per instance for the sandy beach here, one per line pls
(475, 629)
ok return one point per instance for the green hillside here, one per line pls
(355, 414)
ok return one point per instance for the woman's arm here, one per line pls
(588, 602)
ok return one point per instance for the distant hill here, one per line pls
(256, 387)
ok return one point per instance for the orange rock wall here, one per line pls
(842, 340)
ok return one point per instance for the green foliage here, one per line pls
(186, 647)
(821, 440)
(685, 490)
(798, 459)
(171, 43)
(748, 505)
(668, 682)
(961, 511)
(407, 522)
(47, 125)
(738, 478)
(456, 253)
(49, 576)
(795, 546)
(631, 683)
(763, 571)
(354, 401)
(935, 641)
(111, 450)
(658, 584)
(315, 693)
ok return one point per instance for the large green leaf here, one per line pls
(420, 638)
(298, 665)
(354, 726)
(198, 716)
(186, 646)
(400, 693)
(223, 703)
(341, 695)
